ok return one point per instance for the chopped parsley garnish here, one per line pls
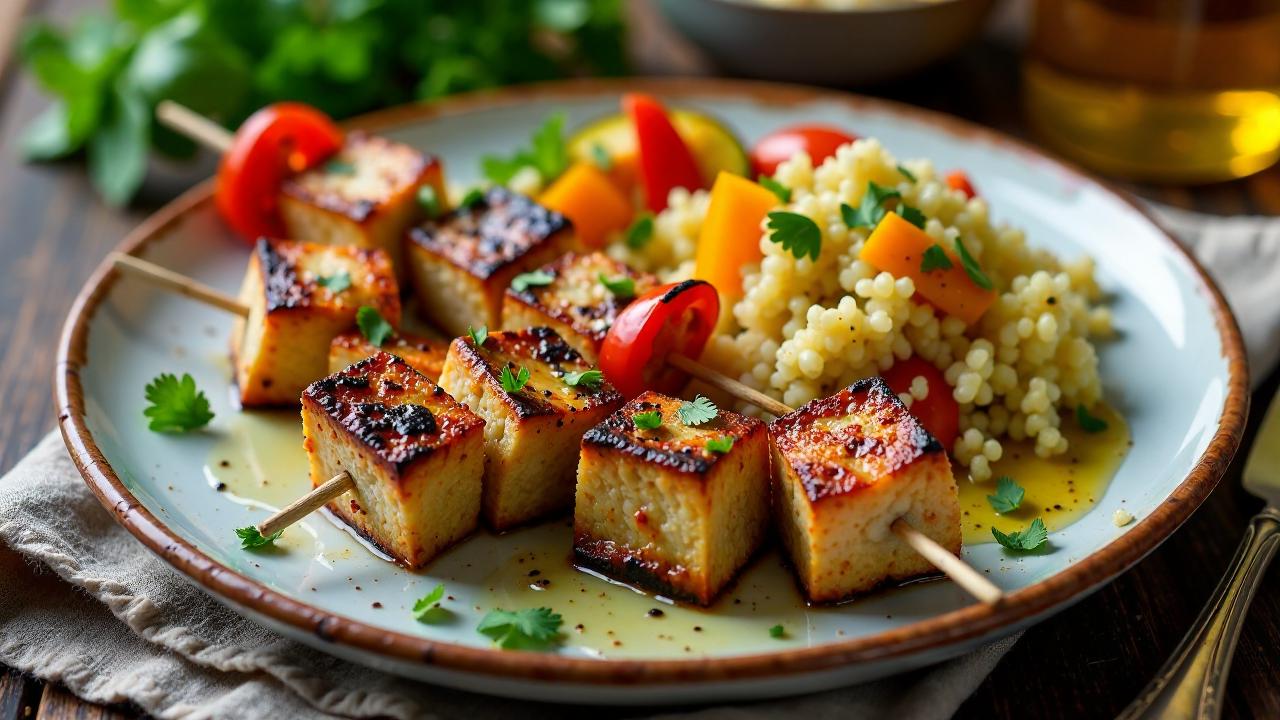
(782, 191)
(1025, 540)
(429, 201)
(339, 167)
(640, 232)
(720, 445)
(910, 176)
(521, 630)
(697, 411)
(427, 609)
(796, 233)
(777, 631)
(1008, 495)
(1089, 422)
(473, 196)
(647, 420)
(935, 258)
(601, 157)
(589, 379)
(547, 153)
(337, 282)
(513, 382)
(373, 326)
(623, 287)
(871, 210)
(250, 538)
(913, 215)
(971, 267)
(538, 278)
(176, 406)
(478, 335)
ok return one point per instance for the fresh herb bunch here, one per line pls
(225, 58)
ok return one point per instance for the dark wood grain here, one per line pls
(58, 704)
(1088, 661)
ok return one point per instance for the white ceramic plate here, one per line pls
(1176, 373)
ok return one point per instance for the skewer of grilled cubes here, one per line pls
(676, 499)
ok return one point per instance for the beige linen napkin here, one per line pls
(82, 603)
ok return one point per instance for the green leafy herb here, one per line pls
(521, 630)
(373, 326)
(429, 201)
(796, 233)
(473, 197)
(1008, 495)
(250, 538)
(478, 335)
(1089, 422)
(697, 411)
(971, 267)
(912, 215)
(871, 210)
(640, 232)
(623, 287)
(339, 167)
(513, 382)
(336, 282)
(601, 157)
(650, 420)
(176, 406)
(935, 258)
(906, 174)
(1025, 540)
(590, 379)
(720, 445)
(782, 191)
(427, 609)
(777, 631)
(547, 153)
(538, 278)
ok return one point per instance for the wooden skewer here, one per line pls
(960, 572)
(181, 284)
(194, 125)
(307, 504)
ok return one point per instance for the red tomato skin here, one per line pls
(277, 141)
(820, 141)
(627, 355)
(665, 161)
(958, 180)
(938, 412)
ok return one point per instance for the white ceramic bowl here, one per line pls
(826, 47)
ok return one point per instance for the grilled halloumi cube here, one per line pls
(415, 454)
(846, 467)
(576, 303)
(423, 354)
(660, 509)
(294, 312)
(463, 262)
(366, 195)
(531, 434)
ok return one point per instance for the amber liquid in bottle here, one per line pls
(1161, 90)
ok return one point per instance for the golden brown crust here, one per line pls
(839, 444)
(640, 568)
(394, 168)
(422, 354)
(492, 234)
(563, 300)
(289, 286)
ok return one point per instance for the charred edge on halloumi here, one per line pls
(425, 355)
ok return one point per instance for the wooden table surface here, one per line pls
(1088, 661)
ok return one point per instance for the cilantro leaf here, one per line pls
(339, 167)
(1025, 540)
(650, 420)
(429, 201)
(640, 232)
(782, 191)
(513, 382)
(720, 445)
(622, 288)
(478, 335)
(1089, 422)
(176, 406)
(910, 176)
(337, 282)
(251, 538)
(601, 157)
(796, 233)
(373, 326)
(521, 630)
(935, 258)
(777, 631)
(1008, 495)
(427, 609)
(912, 215)
(972, 268)
(698, 411)
(872, 208)
(546, 153)
(471, 199)
(590, 379)
(538, 278)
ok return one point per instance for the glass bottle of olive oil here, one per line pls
(1159, 90)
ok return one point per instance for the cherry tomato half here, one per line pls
(275, 142)
(820, 141)
(938, 411)
(674, 318)
(958, 180)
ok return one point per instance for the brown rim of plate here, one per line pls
(968, 623)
